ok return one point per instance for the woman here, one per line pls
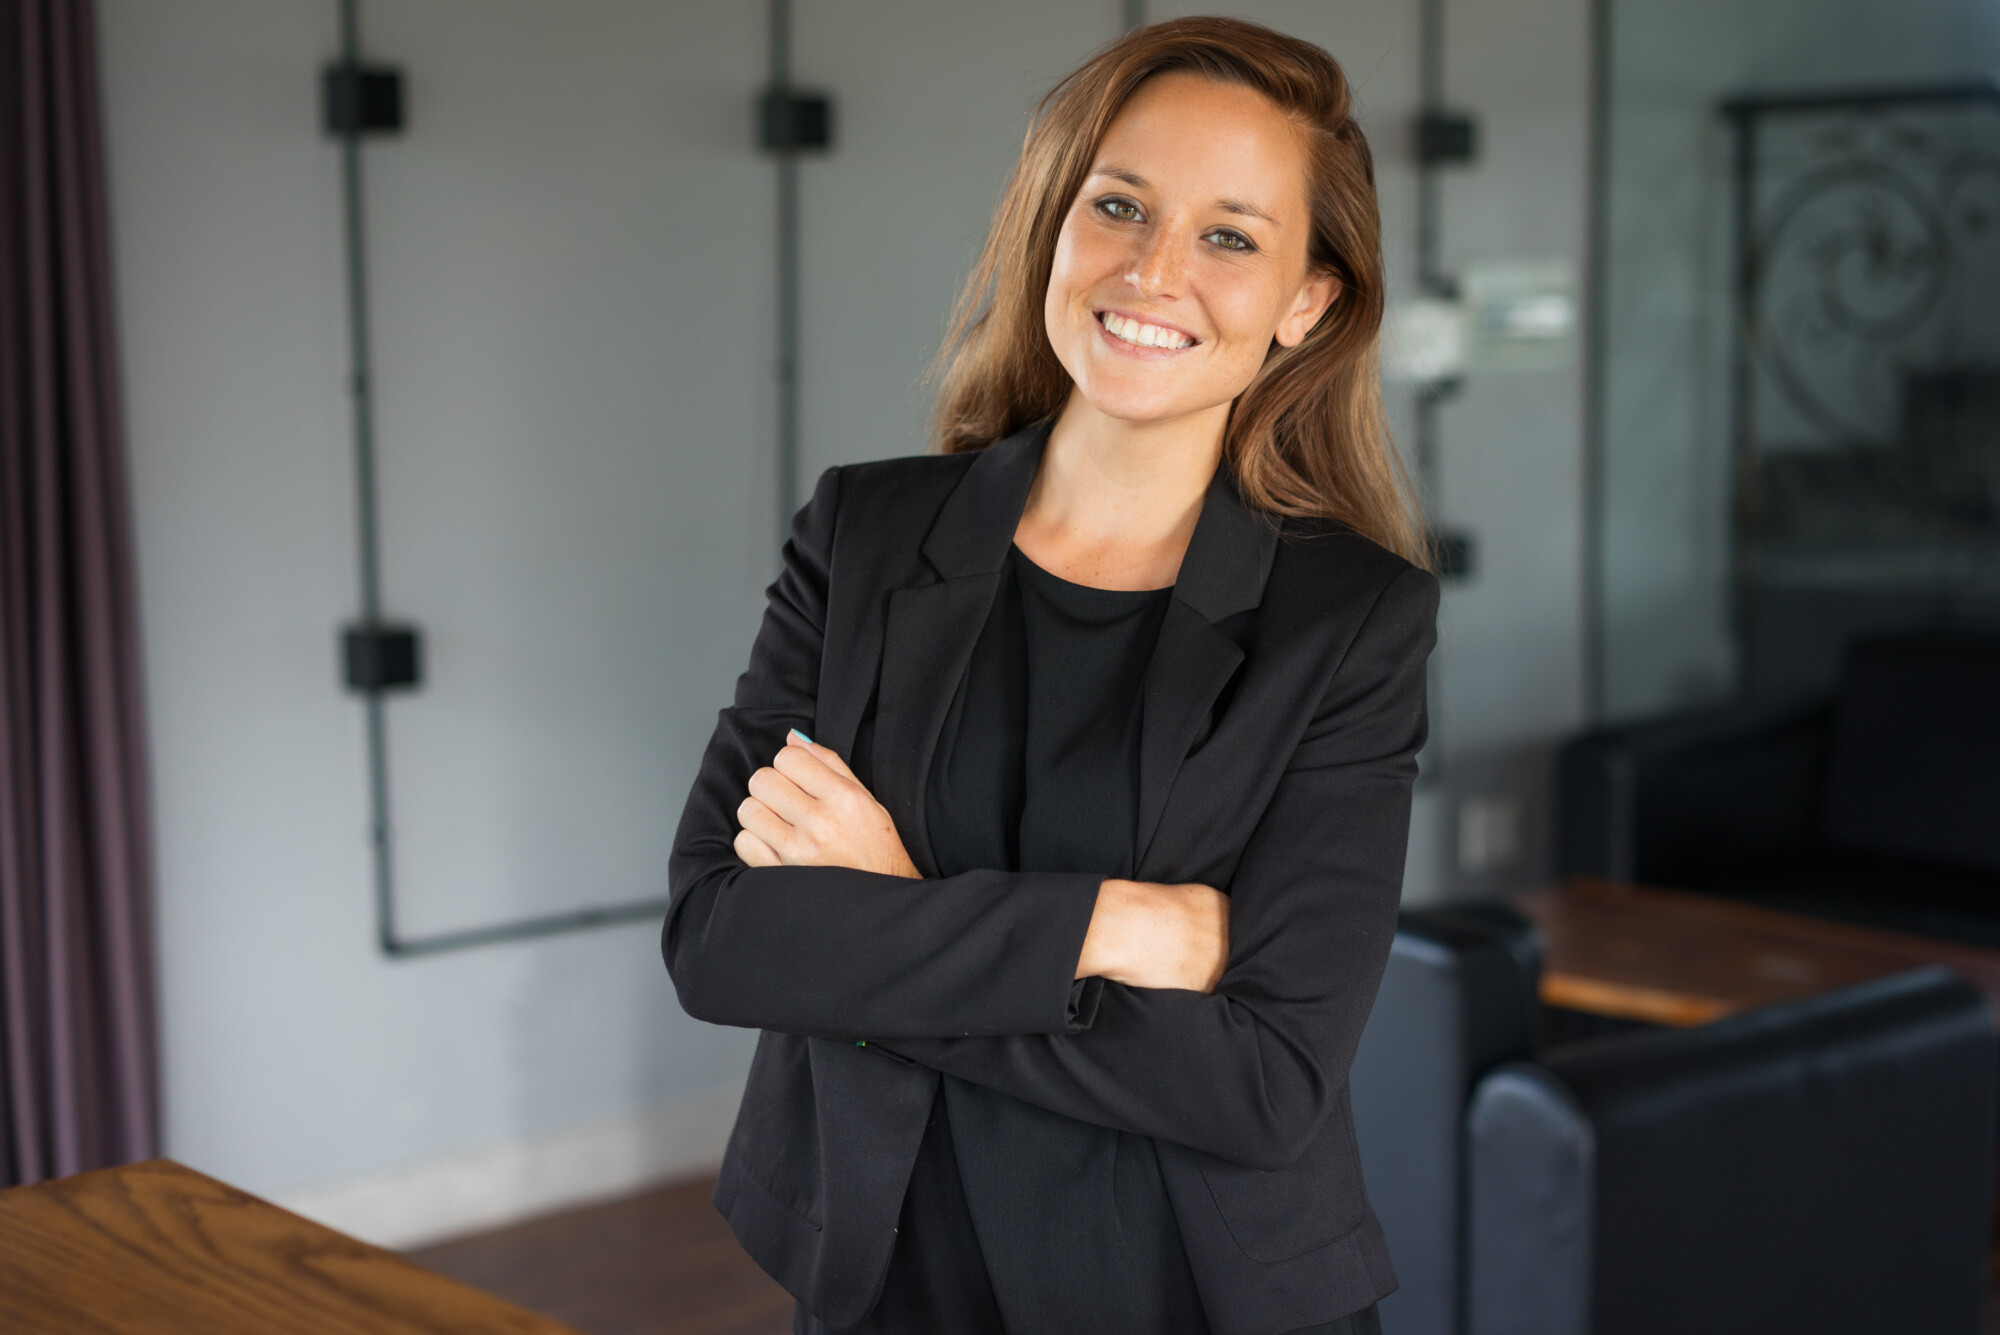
(1055, 836)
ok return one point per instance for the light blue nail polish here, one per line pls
(802, 737)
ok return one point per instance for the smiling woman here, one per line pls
(1255, 134)
(1064, 930)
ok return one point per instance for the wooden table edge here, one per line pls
(1574, 990)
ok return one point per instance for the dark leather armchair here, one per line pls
(1878, 805)
(1457, 1000)
(1825, 1165)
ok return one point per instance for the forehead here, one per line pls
(1190, 135)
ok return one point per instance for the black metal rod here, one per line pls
(1844, 99)
(788, 280)
(368, 534)
(525, 929)
(1430, 99)
(1427, 413)
(1431, 277)
(1743, 408)
(1596, 335)
(367, 523)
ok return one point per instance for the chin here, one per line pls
(1139, 409)
(1140, 399)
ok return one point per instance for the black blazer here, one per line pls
(1283, 712)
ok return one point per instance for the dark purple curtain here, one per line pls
(77, 1048)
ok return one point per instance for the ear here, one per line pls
(1318, 292)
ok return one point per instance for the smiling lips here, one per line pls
(1142, 335)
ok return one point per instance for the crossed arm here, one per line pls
(806, 809)
(973, 974)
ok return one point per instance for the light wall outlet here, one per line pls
(1489, 833)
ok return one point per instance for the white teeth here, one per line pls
(1144, 335)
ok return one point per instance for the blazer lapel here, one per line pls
(1223, 573)
(931, 629)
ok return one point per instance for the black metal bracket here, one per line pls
(381, 656)
(362, 99)
(1446, 137)
(791, 120)
(1451, 552)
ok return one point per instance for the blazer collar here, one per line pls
(1227, 562)
(975, 526)
(1229, 558)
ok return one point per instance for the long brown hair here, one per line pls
(1309, 436)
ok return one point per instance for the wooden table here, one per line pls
(1677, 958)
(159, 1248)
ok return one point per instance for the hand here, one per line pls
(1145, 934)
(806, 809)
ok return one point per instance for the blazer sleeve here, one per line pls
(1248, 1074)
(833, 952)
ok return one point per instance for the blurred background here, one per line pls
(616, 315)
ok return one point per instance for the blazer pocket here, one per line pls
(1287, 1212)
(776, 1142)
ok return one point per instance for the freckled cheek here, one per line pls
(1244, 319)
(1084, 263)
(1064, 291)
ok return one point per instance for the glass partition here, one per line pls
(1798, 436)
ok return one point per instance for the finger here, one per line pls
(803, 766)
(767, 825)
(825, 754)
(792, 803)
(755, 852)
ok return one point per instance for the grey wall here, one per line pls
(1667, 640)
(572, 277)
(574, 441)
(933, 100)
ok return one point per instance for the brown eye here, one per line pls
(1229, 240)
(1124, 210)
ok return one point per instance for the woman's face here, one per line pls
(1184, 255)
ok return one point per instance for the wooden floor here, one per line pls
(660, 1263)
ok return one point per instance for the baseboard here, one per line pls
(440, 1198)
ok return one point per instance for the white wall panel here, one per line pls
(573, 320)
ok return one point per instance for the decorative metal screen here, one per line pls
(1867, 381)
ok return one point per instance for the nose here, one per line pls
(1159, 268)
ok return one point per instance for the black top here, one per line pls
(1283, 713)
(1037, 770)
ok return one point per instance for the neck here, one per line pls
(1115, 502)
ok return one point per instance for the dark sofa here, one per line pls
(1824, 1165)
(1879, 805)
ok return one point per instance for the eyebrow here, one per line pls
(1138, 182)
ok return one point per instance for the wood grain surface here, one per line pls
(158, 1248)
(1677, 958)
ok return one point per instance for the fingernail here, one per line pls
(802, 737)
